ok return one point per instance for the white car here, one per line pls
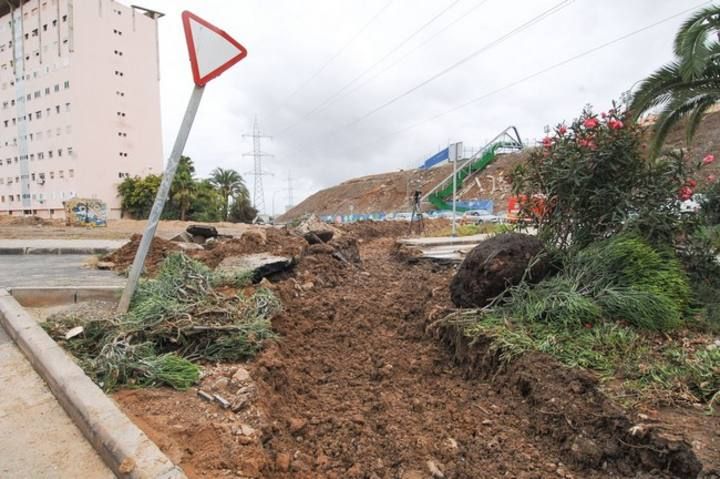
(479, 216)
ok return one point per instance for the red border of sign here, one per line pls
(202, 81)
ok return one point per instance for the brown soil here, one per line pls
(123, 257)
(12, 227)
(356, 388)
(272, 240)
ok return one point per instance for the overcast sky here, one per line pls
(302, 53)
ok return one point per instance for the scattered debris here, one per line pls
(76, 331)
(204, 395)
(204, 231)
(223, 402)
(256, 266)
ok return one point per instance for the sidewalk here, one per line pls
(38, 439)
(58, 246)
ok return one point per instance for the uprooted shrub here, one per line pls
(175, 319)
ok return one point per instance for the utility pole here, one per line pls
(258, 172)
(290, 192)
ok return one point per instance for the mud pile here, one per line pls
(123, 257)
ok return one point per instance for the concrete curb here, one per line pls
(12, 250)
(123, 446)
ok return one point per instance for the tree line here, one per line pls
(221, 197)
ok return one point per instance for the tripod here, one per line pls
(417, 216)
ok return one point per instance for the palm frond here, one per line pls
(696, 116)
(691, 40)
(679, 108)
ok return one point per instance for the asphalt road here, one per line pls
(52, 270)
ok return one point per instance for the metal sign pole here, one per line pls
(160, 199)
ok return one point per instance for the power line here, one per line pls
(364, 72)
(463, 16)
(340, 51)
(547, 13)
(535, 74)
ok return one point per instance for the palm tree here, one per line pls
(230, 184)
(184, 189)
(689, 86)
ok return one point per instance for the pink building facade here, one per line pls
(79, 102)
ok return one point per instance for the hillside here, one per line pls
(391, 192)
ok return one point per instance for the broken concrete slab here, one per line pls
(204, 231)
(314, 224)
(182, 237)
(190, 246)
(258, 265)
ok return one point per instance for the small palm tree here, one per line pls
(184, 189)
(230, 184)
(689, 86)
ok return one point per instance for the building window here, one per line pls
(38, 114)
(50, 154)
(57, 88)
(67, 84)
(47, 90)
(71, 173)
(70, 151)
(57, 108)
(37, 94)
(67, 107)
(61, 174)
(41, 155)
(52, 175)
(59, 152)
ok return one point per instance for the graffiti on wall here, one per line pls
(85, 212)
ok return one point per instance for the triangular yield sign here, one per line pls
(212, 51)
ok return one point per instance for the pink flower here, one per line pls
(711, 178)
(615, 124)
(603, 115)
(547, 142)
(708, 159)
(562, 130)
(590, 123)
(685, 193)
(691, 183)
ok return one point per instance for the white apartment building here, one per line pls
(79, 102)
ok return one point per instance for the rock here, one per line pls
(183, 237)
(412, 474)
(315, 231)
(307, 286)
(190, 246)
(296, 425)
(105, 265)
(434, 470)
(259, 265)
(584, 450)
(256, 236)
(282, 462)
(319, 236)
(246, 430)
(495, 264)
(240, 377)
(204, 231)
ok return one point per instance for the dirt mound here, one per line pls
(566, 409)
(28, 221)
(356, 388)
(123, 257)
(269, 240)
(495, 264)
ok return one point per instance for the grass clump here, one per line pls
(601, 312)
(174, 320)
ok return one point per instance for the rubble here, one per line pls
(257, 265)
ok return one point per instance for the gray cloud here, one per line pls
(288, 41)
